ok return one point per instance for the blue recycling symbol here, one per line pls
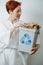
(26, 39)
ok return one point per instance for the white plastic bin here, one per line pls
(27, 39)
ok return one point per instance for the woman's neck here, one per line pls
(11, 19)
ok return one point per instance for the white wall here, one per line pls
(32, 10)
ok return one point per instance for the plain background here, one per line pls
(32, 11)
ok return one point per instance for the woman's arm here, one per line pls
(15, 27)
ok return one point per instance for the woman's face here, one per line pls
(16, 13)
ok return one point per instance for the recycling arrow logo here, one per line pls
(26, 39)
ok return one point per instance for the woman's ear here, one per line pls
(10, 12)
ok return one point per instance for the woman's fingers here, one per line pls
(34, 49)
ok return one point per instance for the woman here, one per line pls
(14, 10)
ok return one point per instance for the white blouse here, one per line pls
(13, 42)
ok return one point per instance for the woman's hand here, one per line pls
(34, 49)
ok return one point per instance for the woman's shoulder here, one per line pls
(7, 24)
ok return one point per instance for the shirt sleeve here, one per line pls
(4, 36)
(4, 39)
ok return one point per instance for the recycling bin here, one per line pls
(27, 39)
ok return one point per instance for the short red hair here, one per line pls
(11, 5)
